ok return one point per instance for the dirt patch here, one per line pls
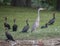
(41, 42)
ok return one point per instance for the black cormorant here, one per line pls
(52, 20)
(14, 27)
(25, 28)
(8, 35)
(45, 26)
(6, 24)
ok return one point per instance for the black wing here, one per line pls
(51, 21)
(7, 25)
(14, 27)
(25, 29)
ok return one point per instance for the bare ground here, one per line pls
(41, 42)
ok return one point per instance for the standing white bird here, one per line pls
(36, 23)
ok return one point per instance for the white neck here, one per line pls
(39, 14)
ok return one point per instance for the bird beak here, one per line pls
(42, 9)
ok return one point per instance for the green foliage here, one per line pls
(52, 3)
(6, 2)
(1, 2)
(36, 3)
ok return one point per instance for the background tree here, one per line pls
(52, 3)
(55, 4)
(21, 2)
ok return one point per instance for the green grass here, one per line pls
(21, 14)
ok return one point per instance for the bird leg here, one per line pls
(7, 40)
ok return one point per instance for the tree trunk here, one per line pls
(58, 5)
(28, 3)
(13, 2)
(21, 2)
